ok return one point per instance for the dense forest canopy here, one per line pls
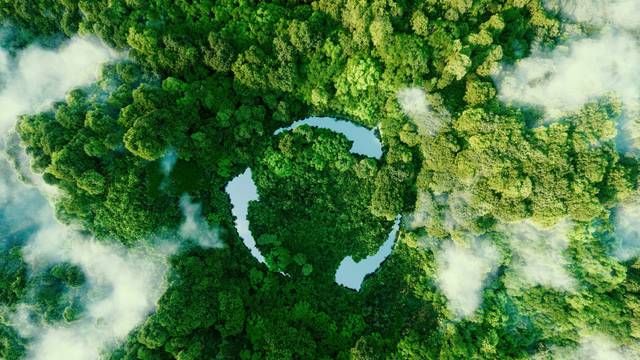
(510, 150)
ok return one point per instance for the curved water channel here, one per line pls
(242, 189)
(365, 141)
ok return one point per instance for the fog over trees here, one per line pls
(508, 131)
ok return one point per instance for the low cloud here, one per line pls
(595, 347)
(627, 231)
(462, 214)
(463, 272)
(4, 65)
(168, 161)
(617, 13)
(539, 254)
(586, 67)
(124, 286)
(426, 210)
(20, 206)
(195, 227)
(575, 73)
(29, 82)
(37, 77)
(415, 104)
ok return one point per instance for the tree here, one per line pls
(13, 277)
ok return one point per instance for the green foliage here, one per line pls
(11, 345)
(13, 276)
(57, 293)
(299, 214)
(547, 173)
(212, 81)
(69, 274)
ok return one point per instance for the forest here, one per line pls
(517, 185)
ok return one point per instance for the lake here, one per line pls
(365, 141)
(242, 189)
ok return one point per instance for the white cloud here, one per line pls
(195, 227)
(596, 347)
(168, 161)
(538, 254)
(4, 64)
(575, 73)
(20, 205)
(587, 66)
(463, 272)
(425, 211)
(617, 13)
(627, 231)
(123, 284)
(124, 287)
(415, 104)
(462, 213)
(30, 82)
(39, 76)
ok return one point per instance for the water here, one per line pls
(242, 189)
(351, 274)
(365, 141)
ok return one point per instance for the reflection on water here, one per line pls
(365, 141)
(242, 189)
(351, 274)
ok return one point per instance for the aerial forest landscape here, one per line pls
(319, 179)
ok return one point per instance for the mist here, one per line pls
(425, 210)
(21, 207)
(463, 271)
(195, 227)
(37, 77)
(123, 288)
(168, 161)
(584, 68)
(30, 82)
(619, 13)
(539, 254)
(4, 62)
(575, 73)
(416, 106)
(595, 347)
(627, 232)
(123, 285)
